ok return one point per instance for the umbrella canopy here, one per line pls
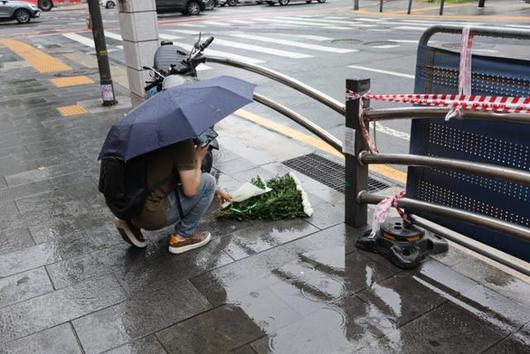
(174, 115)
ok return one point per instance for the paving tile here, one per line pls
(142, 314)
(496, 279)
(10, 165)
(37, 314)
(27, 258)
(517, 343)
(447, 329)
(326, 215)
(401, 298)
(452, 257)
(246, 349)
(147, 345)
(23, 286)
(14, 240)
(3, 183)
(234, 166)
(265, 234)
(443, 279)
(343, 328)
(307, 264)
(56, 340)
(505, 314)
(216, 331)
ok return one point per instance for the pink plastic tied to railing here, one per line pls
(382, 210)
(350, 95)
(464, 75)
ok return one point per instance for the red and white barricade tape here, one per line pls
(497, 104)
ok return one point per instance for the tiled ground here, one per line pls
(68, 284)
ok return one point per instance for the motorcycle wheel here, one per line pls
(209, 5)
(232, 2)
(45, 5)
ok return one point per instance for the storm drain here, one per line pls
(327, 172)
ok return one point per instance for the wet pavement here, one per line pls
(69, 284)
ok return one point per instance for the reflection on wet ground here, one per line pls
(69, 284)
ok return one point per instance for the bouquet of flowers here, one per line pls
(276, 199)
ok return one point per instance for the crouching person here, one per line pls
(177, 192)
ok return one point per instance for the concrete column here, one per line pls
(139, 29)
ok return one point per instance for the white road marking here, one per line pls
(518, 26)
(368, 19)
(380, 128)
(336, 17)
(298, 23)
(306, 36)
(410, 28)
(384, 46)
(413, 41)
(187, 24)
(217, 52)
(112, 35)
(215, 23)
(387, 72)
(254, 48)
(80, 39)
(330, 22)
(241, 22)
(296, 44)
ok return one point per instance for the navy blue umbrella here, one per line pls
(174, 115)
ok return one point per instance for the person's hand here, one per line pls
(223, 196)
(200, 153)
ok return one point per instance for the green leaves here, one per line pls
(283, 202)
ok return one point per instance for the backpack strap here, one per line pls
(179, 202)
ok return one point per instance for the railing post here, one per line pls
(442, 4)
(380, 5)
(356, 4)
(409, 8)
(356, 174)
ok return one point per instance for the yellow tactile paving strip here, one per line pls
(71, 81)
(73, 110)
(40, 61)
(384, 170)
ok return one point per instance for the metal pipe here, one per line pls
(479, 31)
(468, 243)
(440, 112)
(518, 231)
(356, 5)
(284, 79)
(380, 5)
(303, 121)
(508, 174)
(409, 8)
(442, 4)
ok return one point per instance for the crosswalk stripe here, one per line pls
(368, 19)
(215, 23)
(295, 44)
(217, 52)
(337, 17)
(306, 36)
(241, 22)
(411, 28)
(254, 48)
(330, 22)
(387, 72)
(187, 24)
(112, 35)
(298, 23)
(80, 39)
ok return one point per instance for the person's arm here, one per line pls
(191, 179)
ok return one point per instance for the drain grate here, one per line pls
(327, 172)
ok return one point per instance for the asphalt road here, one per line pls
(319, 44)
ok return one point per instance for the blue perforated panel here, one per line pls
(503, 144)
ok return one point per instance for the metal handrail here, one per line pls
(474, 245)
(284, 79)
(440, 112)
(303, 121)
(508, 174)
(518, 231)
(497, 32)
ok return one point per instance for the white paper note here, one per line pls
(348, 145)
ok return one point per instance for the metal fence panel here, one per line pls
(502, 144)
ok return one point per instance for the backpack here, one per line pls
(124, 185)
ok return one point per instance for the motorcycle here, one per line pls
(45, 5)
(174, 66)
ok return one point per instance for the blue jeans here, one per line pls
(193, 208)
